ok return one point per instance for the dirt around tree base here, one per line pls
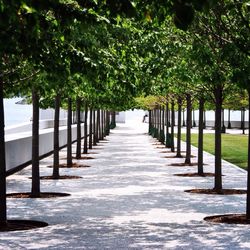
(89, 153)
(157, 143)
(168, 152)
(183, 164)
(172, 156)
(17, 225)
(61, 177)
(196, 175)
(84, 158)
(74, 165)
(217, 191)
(42, 195)
(175, 156)
(228, 219)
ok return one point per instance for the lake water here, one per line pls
(20, 113)
(15, 114)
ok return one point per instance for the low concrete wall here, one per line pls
(24, 127)
(19, 146)
(234, 124)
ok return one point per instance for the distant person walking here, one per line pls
(144, 118)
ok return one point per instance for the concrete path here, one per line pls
(128, 199)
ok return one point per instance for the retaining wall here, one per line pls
(19, 145)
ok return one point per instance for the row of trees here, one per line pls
(106, 53)
(207, 64)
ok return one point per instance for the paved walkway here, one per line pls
(128, 199)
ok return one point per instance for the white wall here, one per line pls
(120, 117)
(19, 147)
(235, 117)
(46, 114)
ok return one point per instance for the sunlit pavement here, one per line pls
(128, 199)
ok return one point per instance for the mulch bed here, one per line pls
(42, 195)
(84, 158)
(17, 225)
(74, 165)
(183, 164)
(89, 153)
(196, 175)
(165, 152)
(61, 177)
(215, 191)
(228, 219)
(172, 156)
(160, 147)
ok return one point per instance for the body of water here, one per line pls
(15, 114)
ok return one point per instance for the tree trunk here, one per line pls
(90, 128)
(102, 123)
(248, 165)
(200, 137)
(204, 122)
(223, 129)
(194, 123)
(188, 129)
(85, 141)
(159, 124)
(154, 123)
(163, 126)
(56, 137)
(172, 126)
(69, 134)
(3, 205)
(179, 129)
(218, 170)
(168, 138)
(229, 119)
(113, 120)
(94, 128)
(149, 122)
(183, 118)
(35, 189)
(243, 121)
(107, 122)
(98, 136)
(79, 134)
(100, 126)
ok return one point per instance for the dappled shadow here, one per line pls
(128, 199)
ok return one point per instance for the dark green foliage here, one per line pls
(162, 136)
(169, 140)
(112, 125)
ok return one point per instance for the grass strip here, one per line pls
(234, 147)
